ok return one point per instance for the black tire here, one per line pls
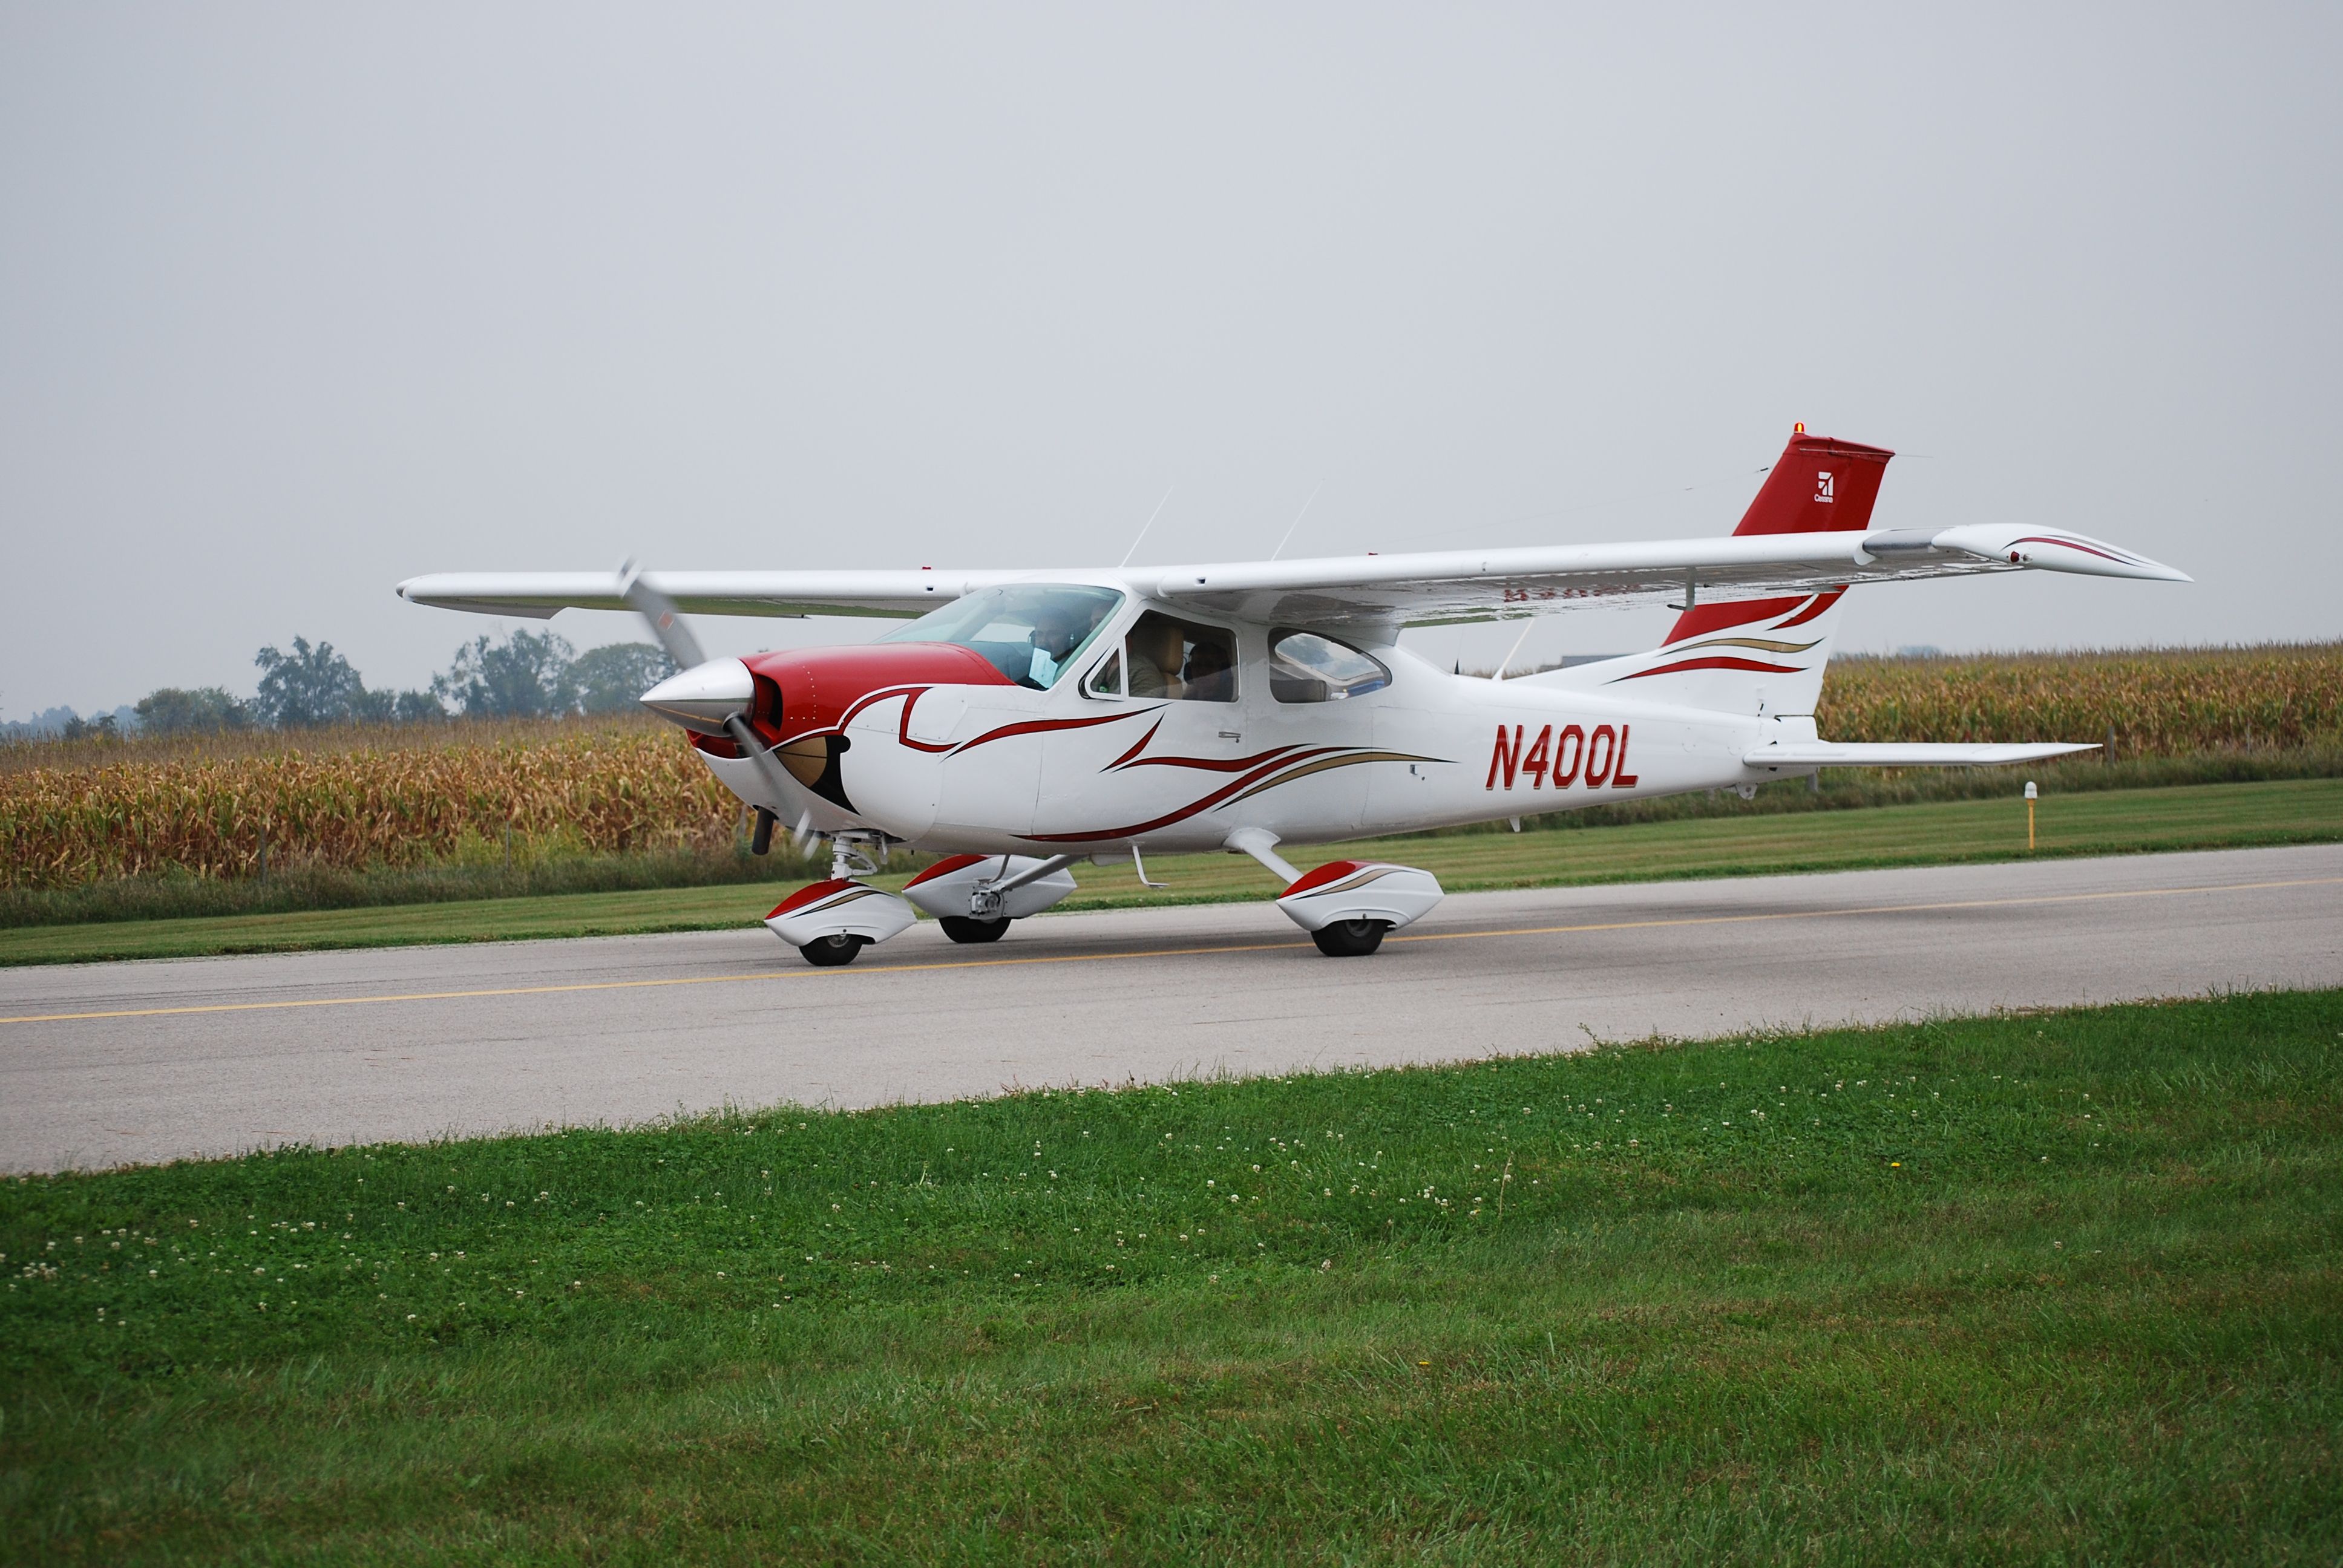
(1350, 939)
(968, 929)
(831, 951)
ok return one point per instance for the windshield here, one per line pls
(1030, 632)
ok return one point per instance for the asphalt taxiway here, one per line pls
(108, 1064)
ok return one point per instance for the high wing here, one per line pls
(1383, 592)
(1374, 591)
(1436, 588)
(544, 594)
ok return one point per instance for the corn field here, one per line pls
(73, 815)
(2156, 704)
(602, 790)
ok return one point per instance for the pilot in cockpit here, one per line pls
(1058, 630)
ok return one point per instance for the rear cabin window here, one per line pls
(1304, 667)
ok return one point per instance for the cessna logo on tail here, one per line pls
(1823, 486)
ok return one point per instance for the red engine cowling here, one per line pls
(806, 697)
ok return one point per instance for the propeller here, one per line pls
(665, 623)
(668, 625)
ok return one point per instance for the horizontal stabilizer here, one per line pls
(1893, 754)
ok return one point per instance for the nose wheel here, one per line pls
(831, 951)
(1350, 939)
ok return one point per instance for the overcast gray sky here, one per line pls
(299, 300)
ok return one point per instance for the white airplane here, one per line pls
(1025, 721)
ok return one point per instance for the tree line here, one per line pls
(530, 675)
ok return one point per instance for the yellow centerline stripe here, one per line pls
(1874, 909)
(811, 973)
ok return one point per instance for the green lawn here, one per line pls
(2061, 1288)
(2195, 816)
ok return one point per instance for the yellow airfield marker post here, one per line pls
(2030, 793)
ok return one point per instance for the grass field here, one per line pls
(2288, 811)
(2063, 1288)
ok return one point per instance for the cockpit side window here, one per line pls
(1106, 681)
(1184, 660)
(1304, 667)
(1032, 632)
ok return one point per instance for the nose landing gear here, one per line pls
(830, 922)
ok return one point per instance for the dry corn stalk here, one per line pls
(603, 791)
(2157, 704)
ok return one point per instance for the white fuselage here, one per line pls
(1004, 769)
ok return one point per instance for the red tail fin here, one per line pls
(1817, 486)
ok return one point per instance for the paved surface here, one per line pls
(214, 1056)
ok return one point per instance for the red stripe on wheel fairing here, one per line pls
(1332, 871)
(946, 866)
(811, 893)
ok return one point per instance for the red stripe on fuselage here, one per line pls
(1822, 602)
(1184, 812)
(1138, 747)
(1037, 727)
(1212, 764)
(1708, 617)
(1719, 662)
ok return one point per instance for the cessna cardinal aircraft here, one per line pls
(1022, 722)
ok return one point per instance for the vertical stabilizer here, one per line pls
(1817, 486)
(1765, 655)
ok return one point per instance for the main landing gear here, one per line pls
(968, 929)
(1350, 939)
(1348, 906)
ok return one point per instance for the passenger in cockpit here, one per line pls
(1156, 650)
(1211, 677)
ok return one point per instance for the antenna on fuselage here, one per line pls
(1296, 523)
(1142, 531)
(1527, 622)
